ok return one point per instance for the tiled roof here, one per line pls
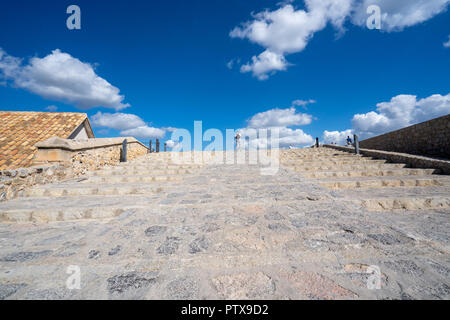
(20, 131)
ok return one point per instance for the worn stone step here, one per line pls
(369, 182)
(94, 189)
(142, 167)
(132, 172)
(43, 210)
(393, 193)
(326, 158)
(332, 163)
(135, 178)
(370, 173)
(410, 204)
(368, 166)
(58, 214)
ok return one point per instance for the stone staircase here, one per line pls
(101, 194)
(374, 184)
(156, 229)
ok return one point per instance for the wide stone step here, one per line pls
(368, 182)
(331, 163)
(368, 166)
(393, 193)
(93, 189)
(410, 204)
(135, 178)
(132, 172)
(43, 210)
(326, 158)
(370, 173)
(150, 166)
(59, 214)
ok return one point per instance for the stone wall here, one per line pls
(413, 161)
(94, 159)
(14, 181)
(431, 138)
(61, 159)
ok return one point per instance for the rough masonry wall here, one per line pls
(94, 159)
(14, 182)
(431, 138)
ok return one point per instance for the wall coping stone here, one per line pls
(80, 145)
(411, 159)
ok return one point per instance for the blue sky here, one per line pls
(169, 61)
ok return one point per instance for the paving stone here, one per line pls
(389, 239)
(407, 267)
(244, 286)
(155, 231)
(274, 216)
(199, 245)
(7, 290)
(25, 256)
(94, 254)
(124, 282)
(182, 289)
(169, 246)
(210, 227)
(316, 286)
(114, 250)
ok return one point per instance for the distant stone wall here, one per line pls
(62, 159)
(94, 159)
(430, 138)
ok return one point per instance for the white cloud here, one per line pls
(279, 118)
(61, 77)
(447, 44)
(399, 14)
(266, 62)
(51, 108)
(286, 30)
(303, 103)
(287, 137)
(400, 112)
(128, 125)
(337, 137)
(172, 144)
(118, 121)
(144, 132)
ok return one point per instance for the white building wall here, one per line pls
(82, 135)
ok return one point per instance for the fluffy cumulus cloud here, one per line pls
(285, 137)
(337, 137)
(117, 121)
(128, 125)
(260, 130)
(399, 14)
(266, 62)
(61, 77)
(401, 111)
(144, 132)
(287, 30)
(279, 118)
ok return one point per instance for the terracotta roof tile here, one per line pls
(20, 131)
